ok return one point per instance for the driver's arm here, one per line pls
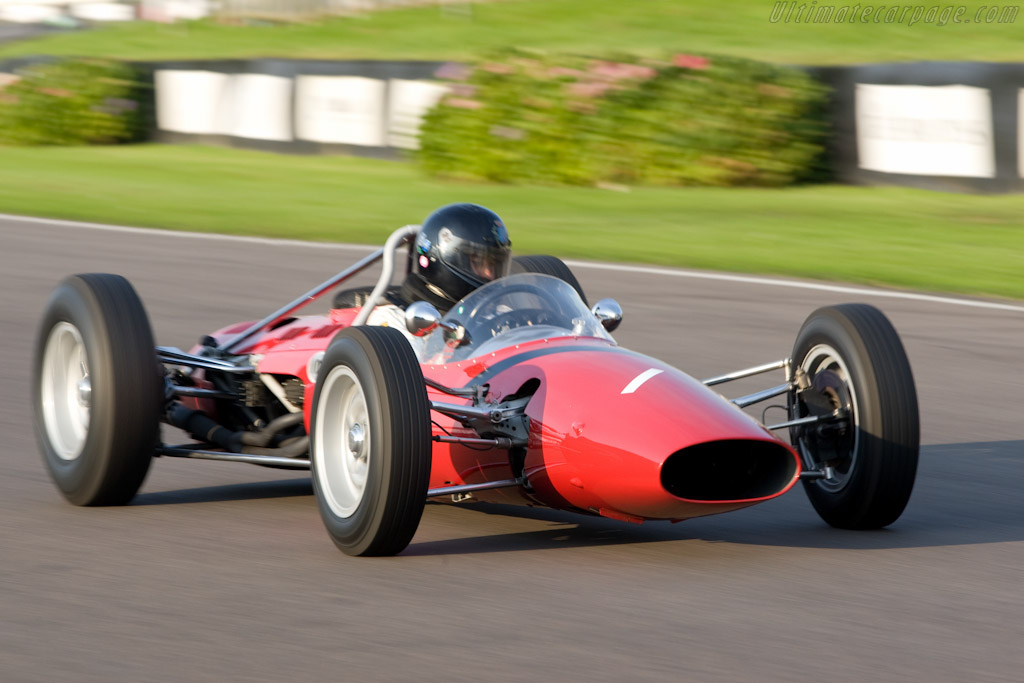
(390, 315)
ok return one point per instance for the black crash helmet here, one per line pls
(459, 248)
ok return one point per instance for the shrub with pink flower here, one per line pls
(564, 72)
(615, 71)
(588, 89)
(617, 121)
(691, 62)
(463, 103)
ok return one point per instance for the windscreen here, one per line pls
(513, 310)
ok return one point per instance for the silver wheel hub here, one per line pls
(342, 444)
(824, 357)
(356, 441)
(84, 391)
(66, 391)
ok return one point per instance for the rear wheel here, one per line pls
(96, 389)
(548, 265)
(370, 441)
(855, 367)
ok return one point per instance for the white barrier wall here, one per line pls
(347, 110)
(37, 11)
(332, 110)
(256, 106)
(409, 101)
(949, 126)
(189, 101)
(103, 11)
(925, 130)
(172, 10)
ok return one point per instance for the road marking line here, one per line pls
(639, 380)
(650, 270)
(158, 232)
(772, 282)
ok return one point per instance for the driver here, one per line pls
(459, 247)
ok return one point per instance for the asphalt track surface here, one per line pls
(223, 572)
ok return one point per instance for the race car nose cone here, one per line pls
(84, 391)
(356, 438)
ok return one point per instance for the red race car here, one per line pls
(517, 395)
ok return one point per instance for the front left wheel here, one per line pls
(548, 265)
(96, 390)
(858, 381)
(370, 441)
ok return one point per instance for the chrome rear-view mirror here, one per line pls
(421, 318)
(608, 312)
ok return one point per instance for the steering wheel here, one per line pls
(524, 317)
(501, 292)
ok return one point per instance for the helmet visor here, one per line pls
(482, 262)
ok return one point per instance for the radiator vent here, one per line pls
(729, 470)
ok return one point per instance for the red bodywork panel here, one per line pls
(596, 442)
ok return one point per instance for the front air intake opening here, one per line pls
(728, 470)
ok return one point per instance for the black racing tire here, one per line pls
(97, 390)
(370, 486)
(856, 359)
(548, 265)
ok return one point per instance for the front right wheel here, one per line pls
(370, 441)
(857, 379)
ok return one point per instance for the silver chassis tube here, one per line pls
(748, 372)
(172, 356)
(812, 470)
(469, 488)
(273, 460)
(310, 296)
(500, 442)
(297, 463)
(452, 391)
(758, 396)
(799, 421)
(825, 472)
(398, 237)
(462, 413)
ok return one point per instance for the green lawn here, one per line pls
(735, 27)
(907, 238)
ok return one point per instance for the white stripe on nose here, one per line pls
(639, 380)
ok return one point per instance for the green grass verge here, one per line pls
(893, 236)
(737, 27)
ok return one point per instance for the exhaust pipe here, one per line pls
(203, 428)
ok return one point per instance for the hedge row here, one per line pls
(691, 120)
(74, 102)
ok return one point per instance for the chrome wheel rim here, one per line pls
(342, 445)
(821, 358)
(66, 391)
